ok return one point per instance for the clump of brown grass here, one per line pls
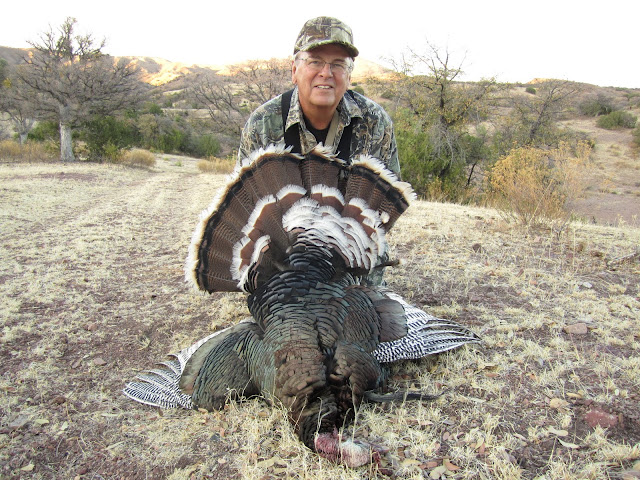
(139, 157)
(29, 152)
(216, 165)
(534, 185)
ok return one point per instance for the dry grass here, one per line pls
(31, 152)
(217, 165)
(139, 157)
(92, 292)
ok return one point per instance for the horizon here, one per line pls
(514, 44)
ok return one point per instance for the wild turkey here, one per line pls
(297, 234)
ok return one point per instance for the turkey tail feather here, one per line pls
(249, 228)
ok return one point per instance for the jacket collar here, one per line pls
(347, 109)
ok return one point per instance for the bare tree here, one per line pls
(230, 98)
(15, 102)
(71, 80)
(531, 119)
(538, 112)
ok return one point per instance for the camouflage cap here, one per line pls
(323, 31)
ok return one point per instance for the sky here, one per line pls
(592, 42)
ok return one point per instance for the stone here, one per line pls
(597, 417)
(576, 329)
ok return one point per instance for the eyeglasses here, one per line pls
(317, 65)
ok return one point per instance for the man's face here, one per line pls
(326, 87)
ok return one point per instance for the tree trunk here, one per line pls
(23, 137)
(66, 145)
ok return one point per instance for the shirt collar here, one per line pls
(347, 109)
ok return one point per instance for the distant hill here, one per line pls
(159, 71)
(12, 55)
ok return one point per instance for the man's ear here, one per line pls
(294, 68)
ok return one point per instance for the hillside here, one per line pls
(159, 71)
(613, 195)
(92, 291)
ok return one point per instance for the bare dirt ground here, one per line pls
(92, 292)
(613, 196)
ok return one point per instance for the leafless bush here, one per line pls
(533, 185)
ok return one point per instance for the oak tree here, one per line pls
(71, 79)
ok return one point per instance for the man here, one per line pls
(319, 109)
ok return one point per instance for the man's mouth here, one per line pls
(325, 87)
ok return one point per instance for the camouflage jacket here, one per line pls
(372, 134)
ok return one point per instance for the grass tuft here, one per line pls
(216, 165)
(139, 157)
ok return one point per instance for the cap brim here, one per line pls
(351, 50)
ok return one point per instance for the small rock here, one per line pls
(99, 362)
(597, 417)
(18, 422)
(476, 247)
(58, 400)
(91, 327)
(630, 475)
(576, 329)
(558, 403)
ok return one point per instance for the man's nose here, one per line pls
(326, 70)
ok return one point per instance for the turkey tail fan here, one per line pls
(226, 228)
(370, 180)
(427, 335)
(273, 197)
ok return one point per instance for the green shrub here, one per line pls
(112, 153)
(105, 136)
(204, 146)
(175, 140)
(163, 133)
(530, 90)
(358, 88)
(594, 107)
(47, 130)
(153, 109)
(139, 157)
(617, 119)
(430, 170)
